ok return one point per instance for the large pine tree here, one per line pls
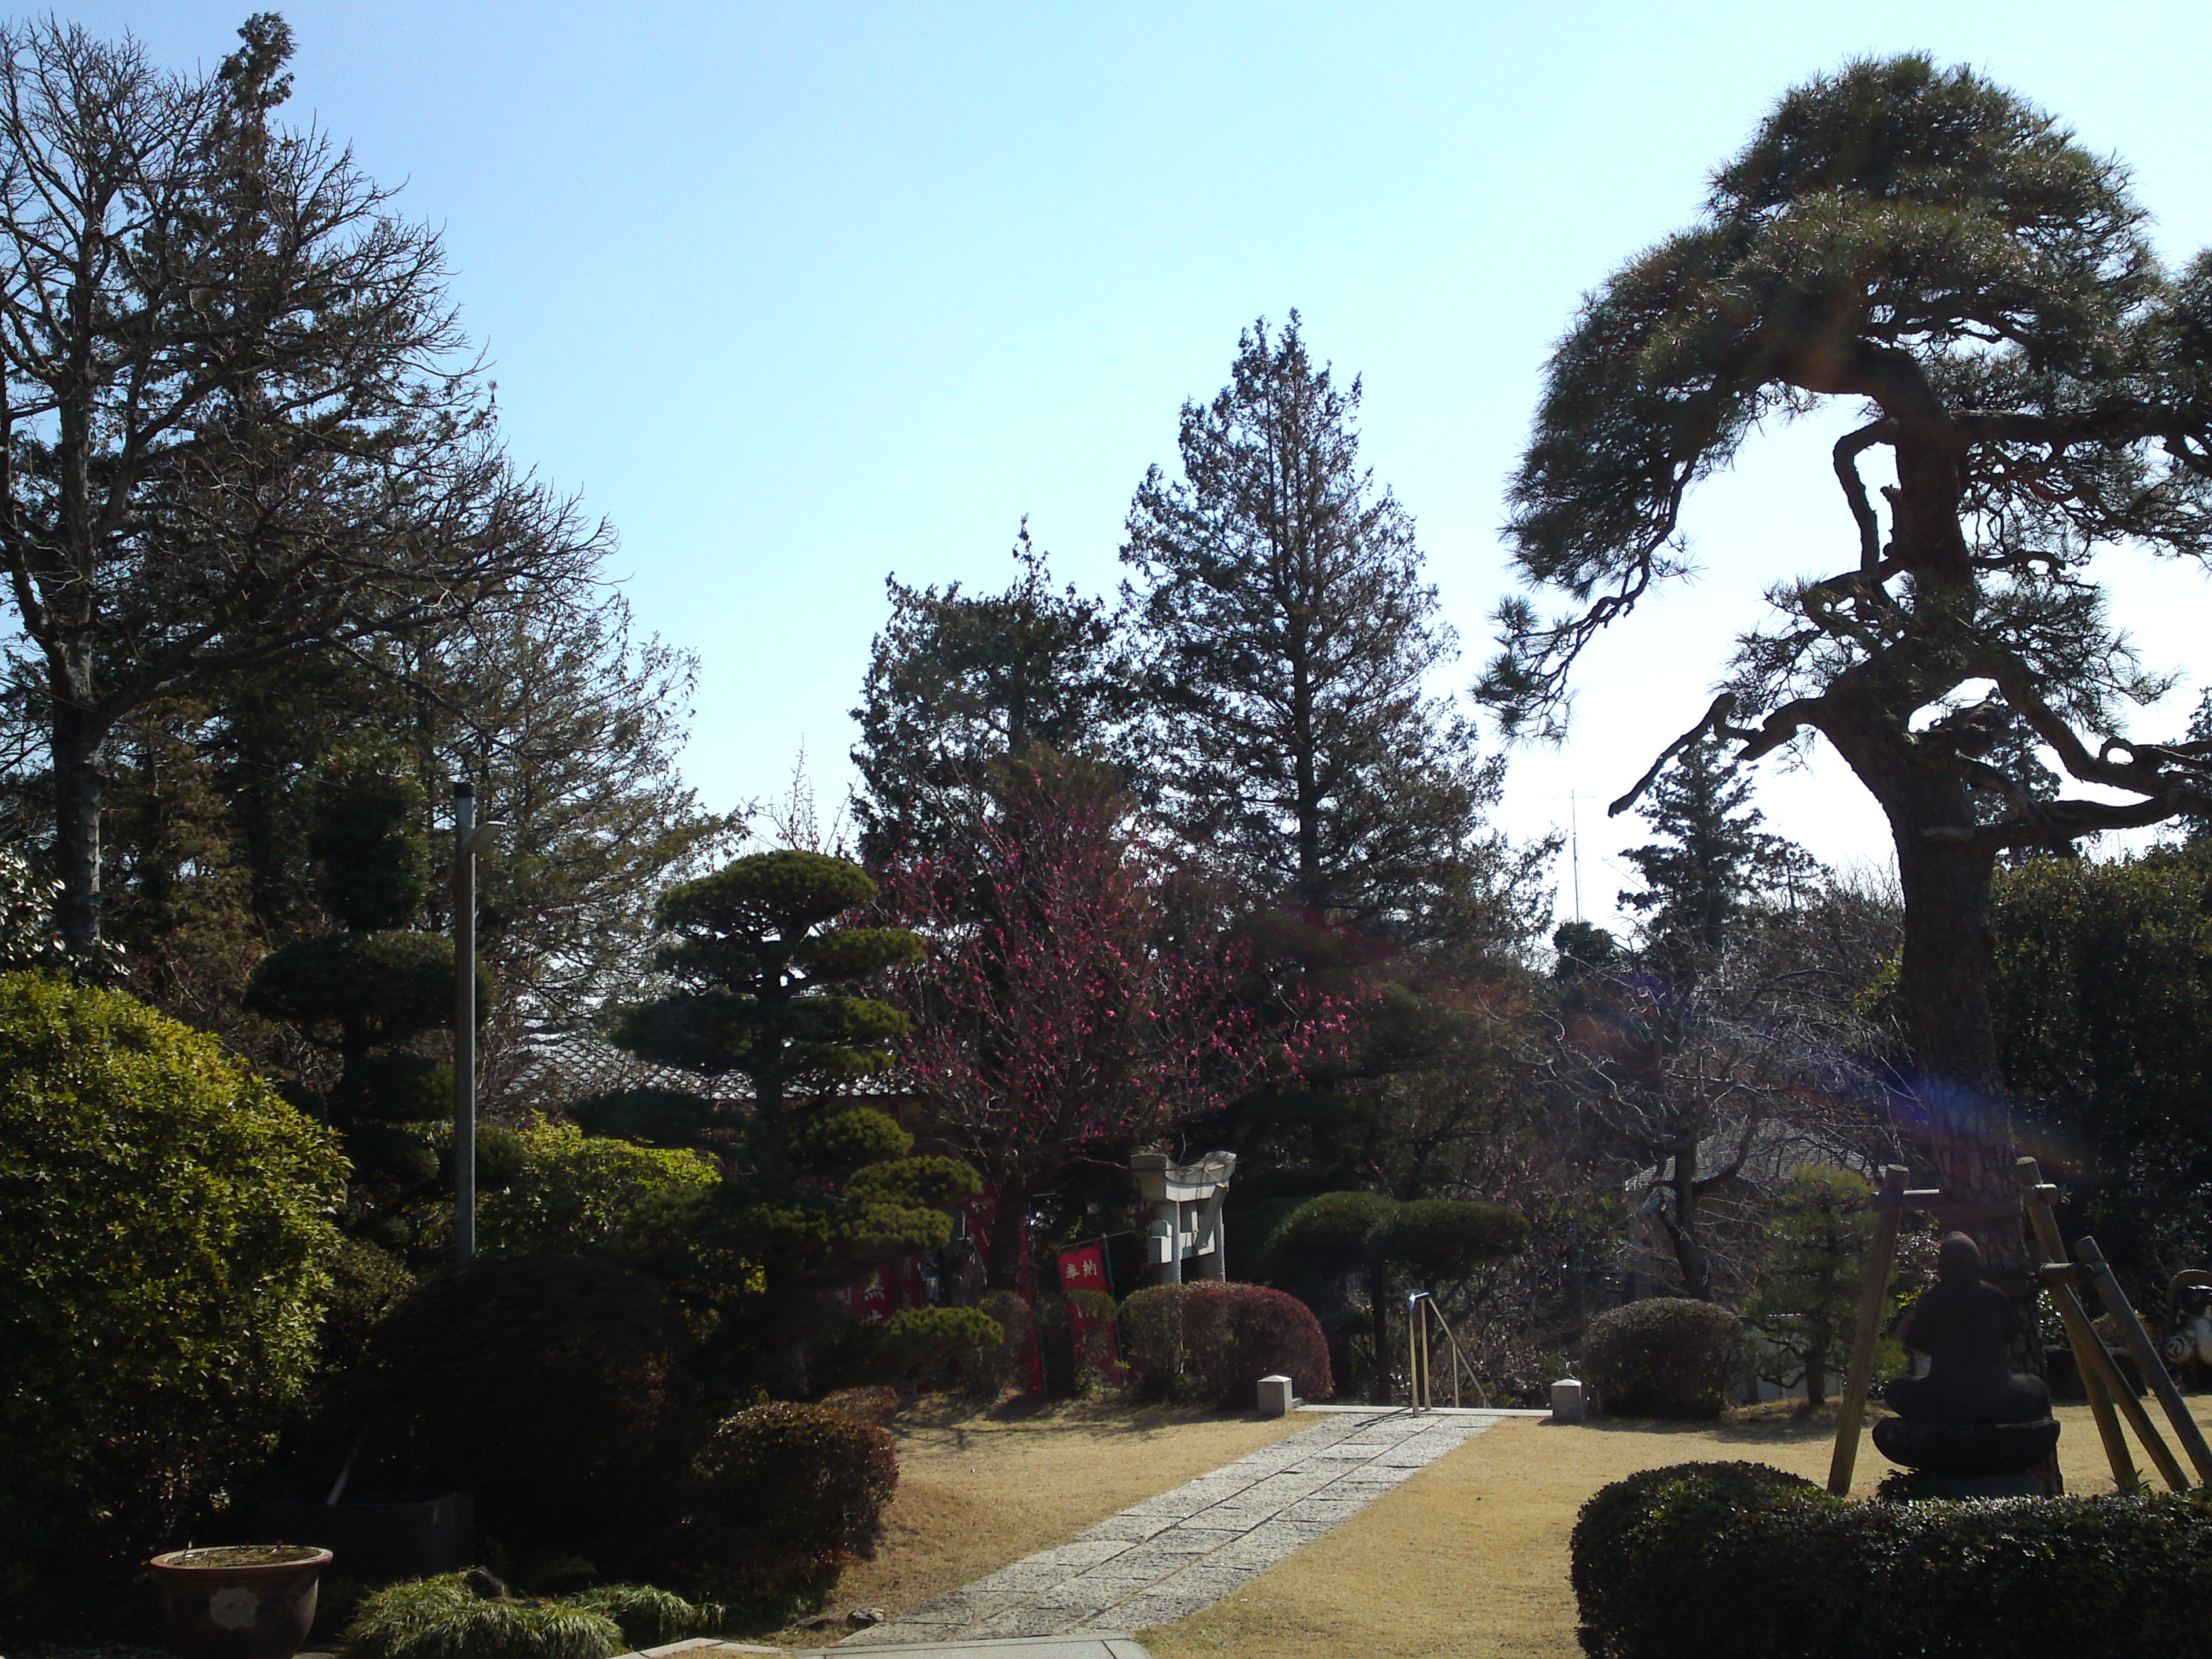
(1288, 638)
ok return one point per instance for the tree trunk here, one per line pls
(1957, 1112)
(1690, 1258)
(79, 790)
(1816, 1374)
(1009, 1227)
(1378, 1317)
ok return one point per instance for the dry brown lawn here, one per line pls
(1469, 1557)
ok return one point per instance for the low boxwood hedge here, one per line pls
(1741, 1561)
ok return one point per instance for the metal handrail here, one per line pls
(1420, 1308)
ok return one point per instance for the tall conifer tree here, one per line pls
(1710, 859)
(959, 684)
(1288, 638)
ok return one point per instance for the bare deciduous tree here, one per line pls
(234, 421)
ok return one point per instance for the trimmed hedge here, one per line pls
(1741, 1561)
(783, 1499)
(1668, 1356)
(1211, 1342)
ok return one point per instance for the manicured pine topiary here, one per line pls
(818, 1191)
(370, 992)
(1331, 1242)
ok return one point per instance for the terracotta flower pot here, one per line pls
(240, 1600)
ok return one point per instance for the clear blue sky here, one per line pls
(800, 295)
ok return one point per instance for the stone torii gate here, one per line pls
(1183, 1206)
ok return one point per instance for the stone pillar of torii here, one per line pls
(1183, 1213)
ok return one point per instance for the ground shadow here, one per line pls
(1754, 1425)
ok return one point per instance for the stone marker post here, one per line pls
(1566, 1400)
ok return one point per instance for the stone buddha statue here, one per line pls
(1972, 1422)
(1966, 1326)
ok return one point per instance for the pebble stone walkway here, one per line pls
(1170, 1556)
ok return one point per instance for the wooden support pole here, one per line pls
(1881, 1255)
(2089, 1356)
(2146, 1356)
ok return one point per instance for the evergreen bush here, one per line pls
(917, 1338)
(165, 1256)
(573, 1192)
(1438, 1241)
(1806, 1307)
(552, 1386)
(1211, 1342)
(1666, 1357)
(783, 1499)
(1661, 1562)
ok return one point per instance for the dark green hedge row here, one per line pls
(1741, 1561)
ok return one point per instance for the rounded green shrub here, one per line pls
(552, 1386)
(165, 1256)
(1661, 1563)
(914, 1338)
(380, 987)
(783, 1499)
(847, 1138)
(591, 1194)
(1439, 1241)
(365, 1284)
(1211, 1342)
(1667, 1357)
(1326, 1238)
(649, 1116)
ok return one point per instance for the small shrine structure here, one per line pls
(1183, 1214)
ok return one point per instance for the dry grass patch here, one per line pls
(1469, 1557)
(979, 1487)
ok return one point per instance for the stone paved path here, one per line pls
(1170, 1556)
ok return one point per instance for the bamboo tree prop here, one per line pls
(2146, 1352)
(2100, 1379)
(1881, 1255)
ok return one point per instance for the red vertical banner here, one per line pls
(872, 1300)
(1083, 1268)
(1093, 1334)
